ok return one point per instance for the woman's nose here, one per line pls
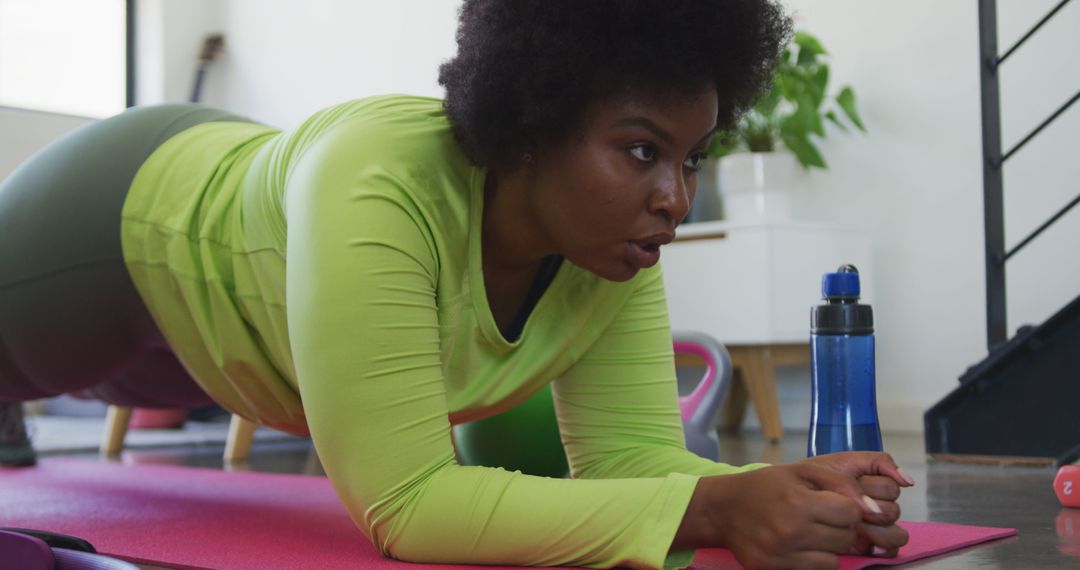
(672, 199)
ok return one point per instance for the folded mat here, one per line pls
(184, 517)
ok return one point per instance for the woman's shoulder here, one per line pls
(396, 105)
(394, 147)
(388, 131)
(381, 120)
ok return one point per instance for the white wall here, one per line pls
(283, 63)
(169, 38)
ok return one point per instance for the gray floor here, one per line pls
(988, 495)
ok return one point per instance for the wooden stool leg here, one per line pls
(116, 426)
(735, 403)
(238, 444)
(761, 383)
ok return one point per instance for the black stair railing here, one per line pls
(129, 53)
(993, 161)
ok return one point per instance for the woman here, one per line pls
(397, 265)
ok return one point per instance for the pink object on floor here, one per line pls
(205, 518)
(1067, 485)
(689, 404)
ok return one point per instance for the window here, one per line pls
(63, 56)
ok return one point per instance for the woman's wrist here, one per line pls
(698, 528)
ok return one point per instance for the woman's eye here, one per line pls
(644, 153)
(694, 162)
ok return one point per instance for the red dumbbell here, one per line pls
(1067, 485)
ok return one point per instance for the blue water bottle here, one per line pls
(844, 409)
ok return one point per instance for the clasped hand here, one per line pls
(805, 514)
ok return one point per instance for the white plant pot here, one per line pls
(756, 187)
(707, 206)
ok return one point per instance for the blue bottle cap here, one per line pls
(844, 284)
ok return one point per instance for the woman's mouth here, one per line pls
(644, 254)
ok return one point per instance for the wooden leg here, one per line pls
(761, 383)
(116, 426)
(735, 403)
(238, 444)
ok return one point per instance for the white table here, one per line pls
(751, 286)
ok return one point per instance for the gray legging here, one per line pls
(70, 317)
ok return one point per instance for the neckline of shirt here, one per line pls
(475, 267)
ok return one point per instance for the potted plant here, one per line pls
(762, 157)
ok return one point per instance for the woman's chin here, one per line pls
(617, 272)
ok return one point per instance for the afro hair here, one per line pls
(526, 70)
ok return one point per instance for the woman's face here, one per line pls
(609, 197)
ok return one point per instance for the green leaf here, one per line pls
(788, 85)
(831, 116)
(806, 118)
(846, 100)
(807, 58)
(817, 126)
(723, 144)
(793, 125)
(805, 151)
(809, 44)
(820, 81)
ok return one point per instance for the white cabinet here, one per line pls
(755, 283)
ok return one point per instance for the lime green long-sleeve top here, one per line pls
(328, 280)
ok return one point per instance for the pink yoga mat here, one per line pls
(204, 518)
(927, 539)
